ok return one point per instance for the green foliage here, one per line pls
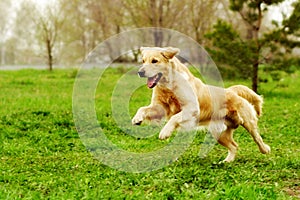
(289, 65)
(242, 53)
(236, 5)
(285, 37)
(230, 51)
(251, 15)
(42, 156)
(292, 25)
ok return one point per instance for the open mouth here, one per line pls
(152, 81)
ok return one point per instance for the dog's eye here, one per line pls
(154, 61)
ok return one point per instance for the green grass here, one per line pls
(42, 156)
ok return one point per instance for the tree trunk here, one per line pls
(3, 52)
(255, 32)
(158, 37)
(157, 21)
(50, 56)
(255, 77)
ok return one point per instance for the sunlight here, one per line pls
(283, 8)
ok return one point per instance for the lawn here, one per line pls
(43, 157)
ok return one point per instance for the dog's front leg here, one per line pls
(139, 116)
(166, 132)
(181, 120)
(151, 113)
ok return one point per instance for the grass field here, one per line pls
(42, 156)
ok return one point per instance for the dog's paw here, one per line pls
(139, 117)
(137, 120)
(228, 159)
(165, 134)
(266, 149)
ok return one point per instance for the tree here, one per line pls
(4, 27)
(283, 40)
(24, 35)
(200, 17)
(79, 34)
(49, 23)
(155, 13)
(229, 50)
(246, 51)
(100, 12)
(36, 33)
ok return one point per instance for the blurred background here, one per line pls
(242, 36)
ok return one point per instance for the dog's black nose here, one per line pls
(141, 73)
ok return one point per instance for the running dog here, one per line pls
(186, 102)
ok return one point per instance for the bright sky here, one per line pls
(40, 3)
(285, 7)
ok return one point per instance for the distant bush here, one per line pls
(265, 77)
(288, 65)
(278, 75)
(231, 73)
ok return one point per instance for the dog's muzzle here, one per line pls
(141, 73)
(152, 81)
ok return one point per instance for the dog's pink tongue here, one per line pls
(150, 82)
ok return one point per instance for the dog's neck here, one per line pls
(167, 82)
(177, 73)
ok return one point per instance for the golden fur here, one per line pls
(187, 102)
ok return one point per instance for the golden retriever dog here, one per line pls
(186, 102)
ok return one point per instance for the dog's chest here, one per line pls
(168, 99)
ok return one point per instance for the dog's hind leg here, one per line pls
(251, 127)
(226, 139)
(248, 114)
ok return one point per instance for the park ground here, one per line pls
(42, 156)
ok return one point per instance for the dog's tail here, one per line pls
(250, 96)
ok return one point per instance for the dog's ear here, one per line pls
(170, 52)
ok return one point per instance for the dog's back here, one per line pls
(250, 96)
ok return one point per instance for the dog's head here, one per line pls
(156, 63)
